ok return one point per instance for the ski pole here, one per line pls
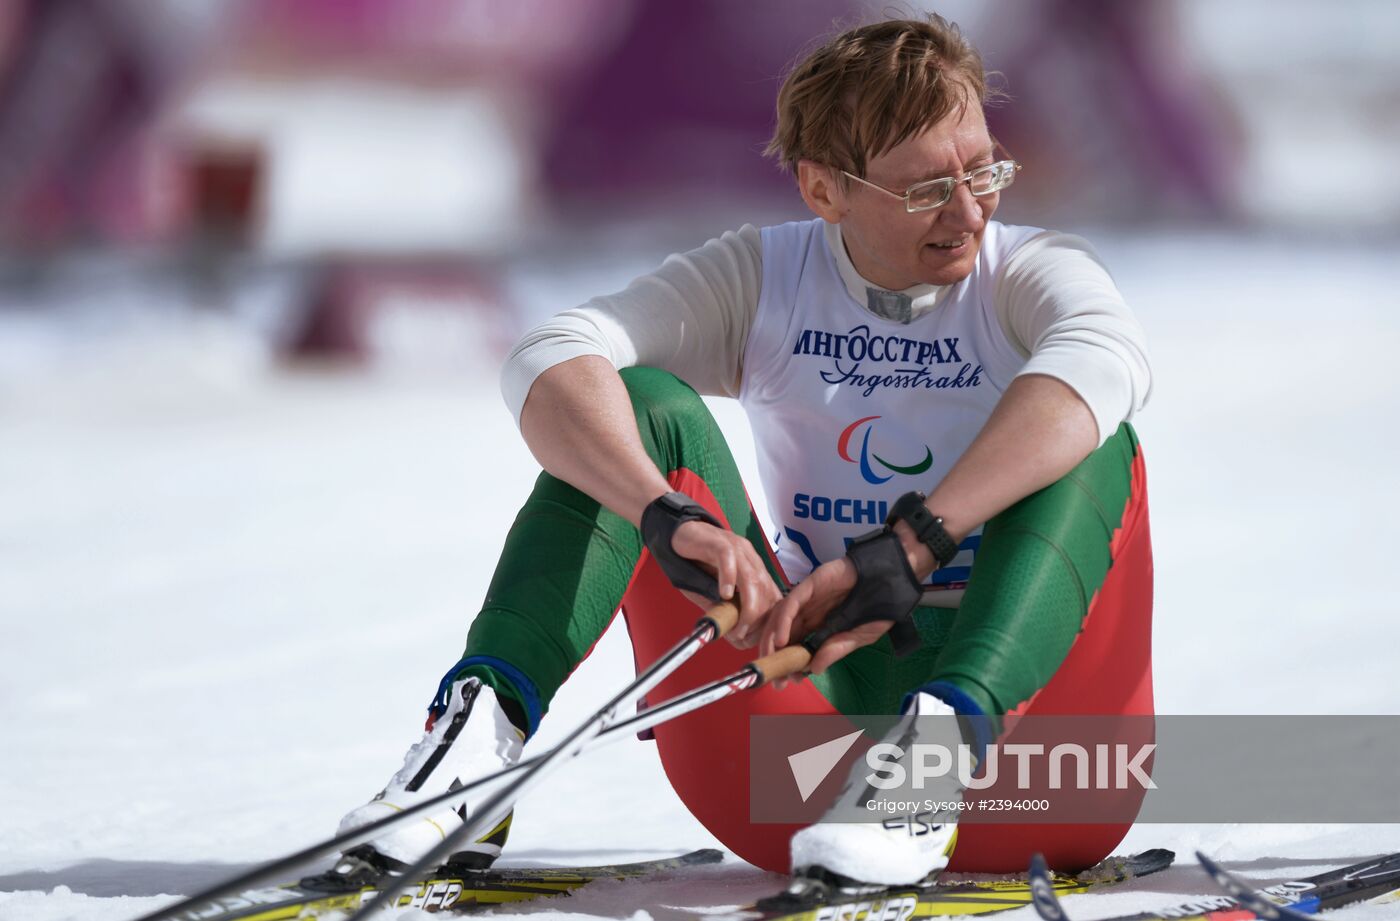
(780, 664)
(718, 621)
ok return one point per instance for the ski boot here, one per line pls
(472, 738)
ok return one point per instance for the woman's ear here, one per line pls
(821, 190)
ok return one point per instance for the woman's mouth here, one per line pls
(951, 247)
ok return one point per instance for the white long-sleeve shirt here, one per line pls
(1055, 300)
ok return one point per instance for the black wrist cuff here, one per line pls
(660, 520)
(886, 589)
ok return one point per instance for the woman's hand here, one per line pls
(737, 567)
(805, 609)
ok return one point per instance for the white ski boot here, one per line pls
(471, 739)
(855, 856)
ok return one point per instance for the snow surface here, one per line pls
(228, 589)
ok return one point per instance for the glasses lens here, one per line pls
(928, 195)
(992, 178)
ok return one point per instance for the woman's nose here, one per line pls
(963, 211)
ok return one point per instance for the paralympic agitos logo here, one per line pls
(843, 448)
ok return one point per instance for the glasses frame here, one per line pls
(948, 183)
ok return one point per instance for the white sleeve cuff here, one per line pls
(1101, 383)
(691, 317)
(1058, 304)
(566, 336)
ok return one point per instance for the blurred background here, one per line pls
(245, 246)
(406, 182)
(260, 262)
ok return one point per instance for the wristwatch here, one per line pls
(927, 526)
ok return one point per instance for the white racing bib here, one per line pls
(850, 410)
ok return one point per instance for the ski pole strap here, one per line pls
(660, 520)
(886, 589)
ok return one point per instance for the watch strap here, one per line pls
(927, 526)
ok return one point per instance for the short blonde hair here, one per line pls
(871, 88)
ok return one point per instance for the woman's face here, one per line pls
(896, 249)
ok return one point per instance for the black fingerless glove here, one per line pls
(659, 522)
(886, 589)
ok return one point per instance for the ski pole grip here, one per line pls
(781, 664)
(724, 616)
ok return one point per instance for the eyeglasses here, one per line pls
(925, 196)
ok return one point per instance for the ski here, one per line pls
(1357, 883)
(1368, 879)
(967, 897)
(1248, 896)
(446, 892)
